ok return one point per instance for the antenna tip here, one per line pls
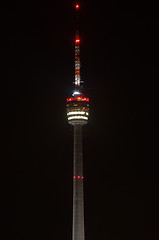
(77, 6)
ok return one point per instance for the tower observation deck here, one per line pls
(77, 115)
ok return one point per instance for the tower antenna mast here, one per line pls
(77, 50)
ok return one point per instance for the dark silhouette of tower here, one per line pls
(77, 114)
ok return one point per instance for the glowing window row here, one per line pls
(78, 98)
(80, 113)
(78, 117)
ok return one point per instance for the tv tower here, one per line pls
(77, 114)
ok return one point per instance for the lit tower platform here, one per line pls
(78, 114)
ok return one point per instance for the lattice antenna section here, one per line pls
(77, 51)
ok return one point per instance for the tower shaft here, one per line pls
(78, 198)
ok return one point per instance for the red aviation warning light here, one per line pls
(77, 40)
(77, 6)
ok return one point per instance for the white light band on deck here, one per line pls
(78, 117)
(73, 113)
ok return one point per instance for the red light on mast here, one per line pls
(77, 6)
(77, 40)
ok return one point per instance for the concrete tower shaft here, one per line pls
(78, 199)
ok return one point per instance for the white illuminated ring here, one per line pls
(73, 113)
(78, 117)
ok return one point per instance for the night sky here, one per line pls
(119, 58)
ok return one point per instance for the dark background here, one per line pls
(119, 57)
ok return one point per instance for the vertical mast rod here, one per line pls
(77, 50)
